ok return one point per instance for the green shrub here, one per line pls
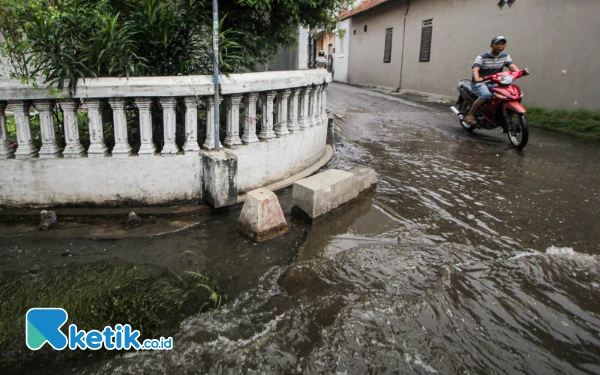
(580, 122)
(65, 40)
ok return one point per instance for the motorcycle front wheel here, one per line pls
(464, 109)
(518, 131)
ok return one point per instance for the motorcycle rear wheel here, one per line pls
(464, 109)
(518, 131)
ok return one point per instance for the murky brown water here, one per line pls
(468, 257)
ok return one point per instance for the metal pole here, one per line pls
(215, 6)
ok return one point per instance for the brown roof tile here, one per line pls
(364, 6)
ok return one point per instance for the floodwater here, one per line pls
(468, 257)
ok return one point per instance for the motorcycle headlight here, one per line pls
(506, 80)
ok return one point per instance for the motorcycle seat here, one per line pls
(466, 86)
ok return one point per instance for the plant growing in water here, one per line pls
(214, 292)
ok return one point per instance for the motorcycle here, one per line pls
(502, 109)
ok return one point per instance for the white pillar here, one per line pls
(122, 148)
(97, 147)
(250, 118)
(304, 103)
(25, 149)
(73, 148)
(266, 131)
(147, 147)
(49, 148)
(233, 121)
(209, 144)
(5, 151)
(324, 101)
(169, 126)
(293, 126)
(282, 113)
(312, 121)
(191, 147)
(319, 114)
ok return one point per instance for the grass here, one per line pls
(151, 300)
(580, 123)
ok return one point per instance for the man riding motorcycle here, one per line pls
(489, 63)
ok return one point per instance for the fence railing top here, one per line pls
(166, 86)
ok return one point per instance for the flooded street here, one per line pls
(468, 257)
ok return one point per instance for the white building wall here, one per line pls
(342, 45)
(366, 49)
(555, 39)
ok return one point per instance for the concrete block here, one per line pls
(220, 178)
(316, 195)
(262, 218)
(364, 178)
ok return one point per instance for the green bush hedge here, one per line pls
(580, 122)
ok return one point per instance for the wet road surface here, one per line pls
(468, 257)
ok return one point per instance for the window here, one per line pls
(426, 33)
(365, 28)
(387, 51)
(354, 32)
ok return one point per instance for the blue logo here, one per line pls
(42, 325)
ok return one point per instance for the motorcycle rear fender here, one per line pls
(514, 106)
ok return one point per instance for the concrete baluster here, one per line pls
(97, 147)
(25, 149)
(293, 126)
(6, 152)
(319, 114)
(304, 107)
(282, 113)
(49, 148)
(266, 131)
(324, 102)
(169, 126)
(233, 121)
(209, 144)
(147, 147)
(313, 106)
(73, 147)
(191, 147)
(250, 118)
(122, 148)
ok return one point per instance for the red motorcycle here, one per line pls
(502, 109)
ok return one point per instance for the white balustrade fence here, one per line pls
(290, 102)
(150, 140)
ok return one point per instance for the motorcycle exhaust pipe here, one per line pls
(456, 112)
